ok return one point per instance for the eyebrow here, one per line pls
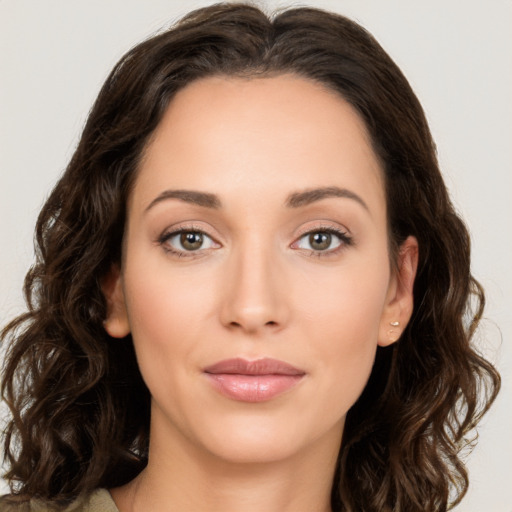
(298, 199)
(204, 199)
(294, 200)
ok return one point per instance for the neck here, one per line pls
(179, 477)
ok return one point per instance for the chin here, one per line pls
(261, 440)
(244, 450)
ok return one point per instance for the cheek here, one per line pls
(166, 315)
(341, 320)
(347, 303)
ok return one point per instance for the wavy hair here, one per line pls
(80, 409)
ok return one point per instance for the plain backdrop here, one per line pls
(55, 54)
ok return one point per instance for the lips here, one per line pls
(253, 381)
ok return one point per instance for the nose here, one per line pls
(254, 299)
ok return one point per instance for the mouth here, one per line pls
(253, 381)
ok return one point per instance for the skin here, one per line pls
(257, 287)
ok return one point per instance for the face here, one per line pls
(257, 230)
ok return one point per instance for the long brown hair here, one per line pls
(80, 409)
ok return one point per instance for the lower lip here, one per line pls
(252, 388)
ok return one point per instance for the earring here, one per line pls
(391, 333)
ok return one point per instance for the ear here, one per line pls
(399, 301)
(116, 324)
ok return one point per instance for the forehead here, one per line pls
(228, 134)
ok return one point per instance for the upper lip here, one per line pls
(265, 366)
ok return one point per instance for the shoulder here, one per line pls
(97, 501)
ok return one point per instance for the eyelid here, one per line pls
(187, 226)
(323, 226)
(175, 230)
(342, 234)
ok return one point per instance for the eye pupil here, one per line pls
(320, 240)
(191, 240)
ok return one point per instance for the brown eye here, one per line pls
(191, 240)
(323, 242)
(185, 241)
(320, 241)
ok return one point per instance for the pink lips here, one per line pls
(253, 381)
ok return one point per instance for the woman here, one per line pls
(252, 290)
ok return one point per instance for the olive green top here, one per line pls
(98, 501)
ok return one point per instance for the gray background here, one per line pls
(55, 54)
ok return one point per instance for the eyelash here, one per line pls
(345, 239)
